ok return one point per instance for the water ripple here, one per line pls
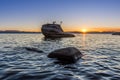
(101, 60)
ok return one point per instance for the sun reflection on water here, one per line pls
(83, 40)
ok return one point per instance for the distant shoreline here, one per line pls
(68, 32)
(18, 32)
(75, 32)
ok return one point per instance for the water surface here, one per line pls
(101, 60)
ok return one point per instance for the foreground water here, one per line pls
(101, 60)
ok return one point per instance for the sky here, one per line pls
(30, 15)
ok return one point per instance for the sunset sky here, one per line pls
(29, 15)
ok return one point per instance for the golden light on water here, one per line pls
(83, 41)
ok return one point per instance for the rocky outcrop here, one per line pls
(54, 31)
(66, 55)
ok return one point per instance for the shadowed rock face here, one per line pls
(54, 31)
(67, 55)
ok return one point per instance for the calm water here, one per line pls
(101, 60)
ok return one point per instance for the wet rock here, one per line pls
(54, 31)
(66, 55)
(33, 49)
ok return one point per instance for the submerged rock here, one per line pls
(54, 31)
(33, 49)
(67, 55)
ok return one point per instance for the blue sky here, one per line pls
(75, 14)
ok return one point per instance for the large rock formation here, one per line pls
(66, 55)
(54, 31)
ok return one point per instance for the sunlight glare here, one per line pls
(84, 30)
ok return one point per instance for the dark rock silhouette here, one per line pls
(66, 55)
(116, 33)
(33, 49)
(54, 31)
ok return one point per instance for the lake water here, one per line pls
(101, 60)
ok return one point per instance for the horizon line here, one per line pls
(19, 31)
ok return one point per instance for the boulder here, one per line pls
(54, 31)
(67, 55)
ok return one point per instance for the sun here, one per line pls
(84, 30)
